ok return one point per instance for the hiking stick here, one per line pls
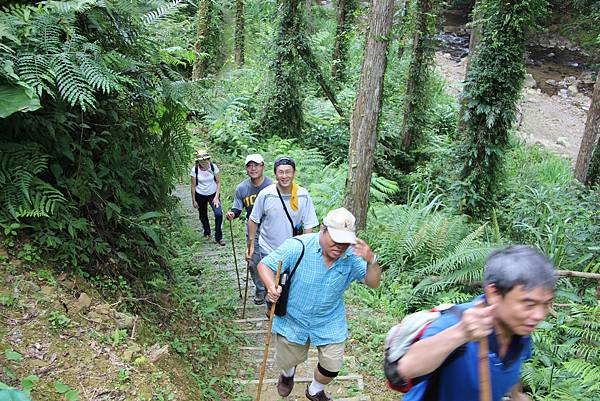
(268, 340)
(237, 272)
(484, 371)
(246, 288)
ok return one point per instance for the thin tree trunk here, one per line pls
(586, 168)
(239, 33)
(422, 58)
(307, 55)
(203, 15)
(363, 125)
(345, 8)
(475, 36)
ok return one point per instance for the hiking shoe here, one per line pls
(320, 396)
(221, 242)
(259, 298)
(285, 385)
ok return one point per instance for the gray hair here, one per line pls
(519, 265)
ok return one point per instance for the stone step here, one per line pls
(342, 388)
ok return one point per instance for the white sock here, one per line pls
(289, 372)
(315, 387)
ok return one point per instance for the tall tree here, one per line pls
(240, 34)
(491, 94)
(587, 168)
(282, 114)
(207, 43)
(423, 50)
(345, 14)
(363, 125)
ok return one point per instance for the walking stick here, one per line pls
(268, 340)
(484, 371)
(237, 272)
(246, 288)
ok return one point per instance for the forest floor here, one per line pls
(555, 122)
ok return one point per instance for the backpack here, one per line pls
(402, 336)
(212, 170)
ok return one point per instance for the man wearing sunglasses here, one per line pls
(321, 266)
(245, 195)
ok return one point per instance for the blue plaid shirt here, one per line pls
(316, 312)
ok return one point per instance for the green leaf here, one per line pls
(17, 98)
(150, 215)
(13, 395)
(27, 383)
(152, 234)
(61, 387)
(13, 355)
(72, 395)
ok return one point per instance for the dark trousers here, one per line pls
(203, 201)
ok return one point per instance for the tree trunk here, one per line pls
(239, 33)
(363, 125)
(345, 10)
(415, 104)
(200, 47)
(588, 159)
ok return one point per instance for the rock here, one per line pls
(95, 317)
(587, 78)
(156, 352)
(570, 80)
(572, 90)
(48, 290)
(131, 350)
(550, 55)
(102, 309)
(447, 55)
(531, 91)
(84, 302)
(563, 93)
(123, 320)
(529, 81)
(551, 82)
(562, 141)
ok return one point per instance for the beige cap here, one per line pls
(340, 225)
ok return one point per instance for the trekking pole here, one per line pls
(246, 289)
(268, 340)
(237, 272)
(484, 371)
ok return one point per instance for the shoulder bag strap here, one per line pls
(287, 213)
(298, 261)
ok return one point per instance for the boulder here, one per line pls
(156, 352)
(529, 81)
(572, 89)
(123, 320)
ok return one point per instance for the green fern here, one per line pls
(162, 12)
(24, 194)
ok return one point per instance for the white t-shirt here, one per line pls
(275, 227)
(206, 184)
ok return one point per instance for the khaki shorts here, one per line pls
(288, 355)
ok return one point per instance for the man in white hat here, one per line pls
(319, 267)
(245, 195)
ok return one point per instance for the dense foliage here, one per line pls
(88, 169)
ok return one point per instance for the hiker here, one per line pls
(518, 292)
(206, 187)
(329, 261)
(283, 210)
(245, 195)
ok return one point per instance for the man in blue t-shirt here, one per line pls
(245, 195)
(518, 292)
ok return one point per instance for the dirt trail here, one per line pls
(555, 122)
(348, 386)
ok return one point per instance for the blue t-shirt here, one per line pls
(459, 374)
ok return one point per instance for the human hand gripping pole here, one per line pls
(268, 339)
(237, 272)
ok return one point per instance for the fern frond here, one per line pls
(72, 85)
(162, 13)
